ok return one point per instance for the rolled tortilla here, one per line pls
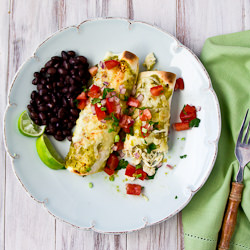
(138, 146)
(92, 139)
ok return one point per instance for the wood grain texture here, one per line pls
(27, 224)
(230, 217)
(4, 48)
(198, 20)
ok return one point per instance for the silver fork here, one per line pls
(242, 152)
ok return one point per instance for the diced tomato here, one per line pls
(110, 106)
(93, 70)
(188, 113)
(109, 171)
(81, 104)
(113, 161)
(94, 91)
(120, 145)
(181, 126)
(126, 122)
(146, 115)
(133, 102)
(143, 174)
(100, 114)
(82, 96)
(111, 64)
(145, 134)
(157, 90)
(130, 170)
(133, 189)
(179, 84)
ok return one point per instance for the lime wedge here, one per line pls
(47, 153)
(27, 127)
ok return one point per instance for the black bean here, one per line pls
(71, 81)
(64, 55)
(47, 98)
(36, 74)
(38, 100)
(58, 125)
(42, 92)
(66, 65)
(59, 95)
(62, 71)
(30, 108)
(33, 94)
(54, 120)
(77, 78)
(83, 82)
(59, 137)
(64, 102)
(62, 112)
(81, 73)
(71, 53)
(49, 114)
(44, 122)
(60, 84)
(42, 108)
(52, 128)
(67, 79)
(35, 81)
(47, 131)
(38, 122)
(43, 81)
(51, 71)
(42, 116)
(74, 112)
(39, 86)
(56, 58)
(55, 110)
(72, 89)
(71, 125)
(33, 103)
(68, 95)
(69, 137)
(73, 72)
(57, 65)
(33, 115)
(72, 61)
(54, 100)
(43, 70)
(82, 59)
(66, 132)
(65, 90)
(51, 105)
(71, 103)
(49, 86)
(49, 63)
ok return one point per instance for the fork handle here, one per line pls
(230, 217)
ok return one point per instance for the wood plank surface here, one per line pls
(4, 27)
(198, 20)
(27, 224)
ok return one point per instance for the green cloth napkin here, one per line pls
(227, 60)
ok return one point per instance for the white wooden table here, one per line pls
(24, 24)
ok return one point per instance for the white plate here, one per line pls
(102, 208)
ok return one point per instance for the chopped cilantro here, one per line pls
(131, 131)
(103, 109)
(122, 164)
(185, 113)
(111, 178)
(123, 139)
(176, 197)
(117, 138)
(125, 98)
(90, 185)
(138, 166)
(151, 147)
(76, 102)
(107, 118)
(95, 100)
(111, 130)
(138, 176)
(125, 112)
(152, 176)
(105, 92)
(194, 123)
(183, 156)
(88, 169)
(114, 118)
(145, 141)
(183, 139)
(142, 108)
(85, 89)
(154, 124)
